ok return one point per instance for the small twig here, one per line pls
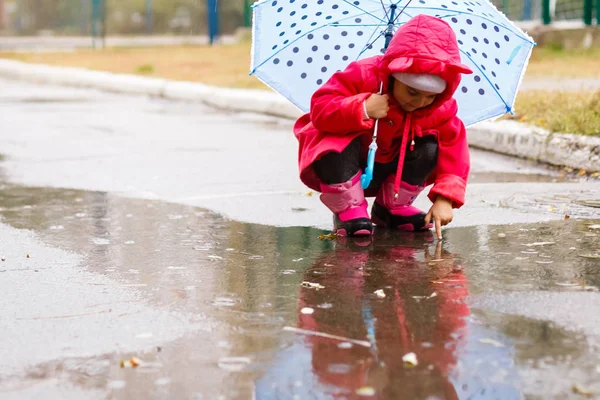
(326, 335)
(68, 316)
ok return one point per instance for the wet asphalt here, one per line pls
(181, 236)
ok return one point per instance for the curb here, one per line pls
(505, 137)
(534, 143)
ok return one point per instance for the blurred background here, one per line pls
(204, 17)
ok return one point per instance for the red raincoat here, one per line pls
(423, 45)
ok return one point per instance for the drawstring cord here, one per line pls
(407, 132)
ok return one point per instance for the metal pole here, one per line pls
(149, 17)
(526, 10)
(587, 11)
(389, 32)
(213, 21)
(247, 14)
(546, 12)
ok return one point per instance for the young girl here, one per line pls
(421, 140)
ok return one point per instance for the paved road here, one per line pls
(181, 235)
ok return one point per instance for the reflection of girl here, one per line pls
(408, 319)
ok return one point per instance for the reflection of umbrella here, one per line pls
(299, 44)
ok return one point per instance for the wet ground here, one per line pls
(222, 309)
(109, 251)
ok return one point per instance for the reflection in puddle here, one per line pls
(298, 316)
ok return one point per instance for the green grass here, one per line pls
(577, 113)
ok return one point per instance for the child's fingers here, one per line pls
(428, 218)
(438, 228)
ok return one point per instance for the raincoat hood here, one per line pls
(425, 45)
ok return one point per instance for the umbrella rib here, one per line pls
(487, 79)
(364, 11)
(369, 43)
(303, 35)
(473, 15)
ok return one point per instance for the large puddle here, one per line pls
(295, 316)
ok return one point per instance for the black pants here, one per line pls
(418, 164)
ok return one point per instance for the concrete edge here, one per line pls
(505, 137)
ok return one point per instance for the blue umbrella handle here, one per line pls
(365, 179)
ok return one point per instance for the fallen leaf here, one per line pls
(582, 172)
(380, 293)
(538, 244)
(307, 310)
(329, 236)
(584, 392)
(567, 217)
(493, 342)
(309, 194)
(410, 360)
(312, 285)
(365, 391)
(135, 362)
(27, 255)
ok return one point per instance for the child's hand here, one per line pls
(377, 106)
(441, 212)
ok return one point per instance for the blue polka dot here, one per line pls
(304, 6)
(326, 37)
(298, 32)
(324, 69)
(359, 33)
(460, 42)
(464, 89)
(292, 13)
(319, 14)
(506, 38)
(290, 63)
(493, 74)
(335, 7)
(337, 47)
(293, 25)
(320, 81)
(484, 26)
(477, 78)
(304, 16)
(463, 31)
(497, 44)
(486, 41)
(295, 50)
(315, 48)
(484, 55)
(497, 61)
(497, 87)
(310, 36)
(286, 41)
(496, 29)
(351, 45)
(327, 57)
(274, 3)
(481, 92)
(469, 22)
(454, 20)
(274, 47)
(278, 24)
(280, 9)
(344, 33)
(276, 61)
(282, 33)
(358, 20)
(475, 39)
(345, 58)
(303, 76)
(313, 24)
(309, 60)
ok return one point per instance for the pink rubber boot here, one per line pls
(347, 202)
(398, 213)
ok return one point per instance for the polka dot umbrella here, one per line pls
(298, 44)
